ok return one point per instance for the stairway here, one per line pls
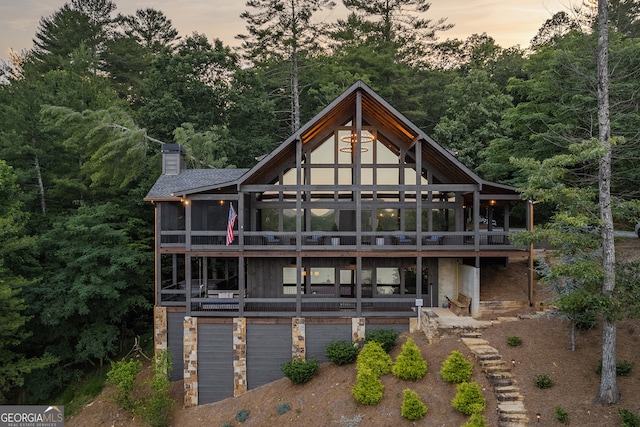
(511, 409)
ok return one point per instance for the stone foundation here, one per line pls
(190, 344)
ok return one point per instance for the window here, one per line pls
(388, 280)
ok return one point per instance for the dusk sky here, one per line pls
(509, 22)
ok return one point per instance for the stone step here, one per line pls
(507, 389)
(513, 418)
(470, 335)
(473, 342)
(495, 365)
(501, 382)
(509, 397)
(479, 351)
(489, 356)
(513, 424)
(499, 375)
(516, 407)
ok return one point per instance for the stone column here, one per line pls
(160, 340)
(414, 326)
(239, 356)
(298, 337)
(357, 330)
(190, 343)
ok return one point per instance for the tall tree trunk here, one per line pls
(295, 98)
(608, 393)
(43, 200)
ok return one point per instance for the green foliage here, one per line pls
(629, 419)
(514, 341)
(561, 414)
(476, 420)
(283, 408)
(157, 409)
(409, 364)
(543, 381)
(623, 368)
(386, 337)
(456, 369)
(368, 388)
(373, 357)
(412, 407)
(341, 352)
(242, 415)
(469, 399)
(123, 376)
(300, 371)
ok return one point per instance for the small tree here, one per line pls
(469, 399)
(374, 358)
(123, 377)
(456, 369)
(409, 364)
(368, 389)
(412, 407)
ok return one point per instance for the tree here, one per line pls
(16, 250)
(608, 393)
(397, 23)
(150, 28)
(280, 30)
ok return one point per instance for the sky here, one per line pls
(509, 22)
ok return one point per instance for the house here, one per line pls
(356, 221)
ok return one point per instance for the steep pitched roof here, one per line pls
(376, 112)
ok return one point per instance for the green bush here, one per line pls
(156, 410)
(409, 364)
(562, 415)
(368, 388)
(476, 420)
(341, 352)
(543, 381)
(412, 407)
(300, 371)
(469, 399)
(456, 369)
(123, 376)
(242, 415)
(514, 341)
(283, 409)
(629, 419)
(374, 358)
(386, 337)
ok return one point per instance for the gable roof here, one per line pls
(390, 124)
(377, 113)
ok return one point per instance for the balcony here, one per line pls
(342, 241)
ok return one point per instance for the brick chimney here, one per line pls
(173, 159)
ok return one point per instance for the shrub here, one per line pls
(300, 371)
(562, 415)
(156, 410)
(543, 381)
(374, 358)
(514, 341)
(368, 388)
(629, 419)
(242, 415)
(476, 420)
(469, 399)
(386, 337)
(409, 364)
(456, 369)
(341, 352)
(123, 376)
(283, 409)
(412, 407)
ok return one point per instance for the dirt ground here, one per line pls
(327, 401)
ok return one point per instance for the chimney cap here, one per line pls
(172, 148)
